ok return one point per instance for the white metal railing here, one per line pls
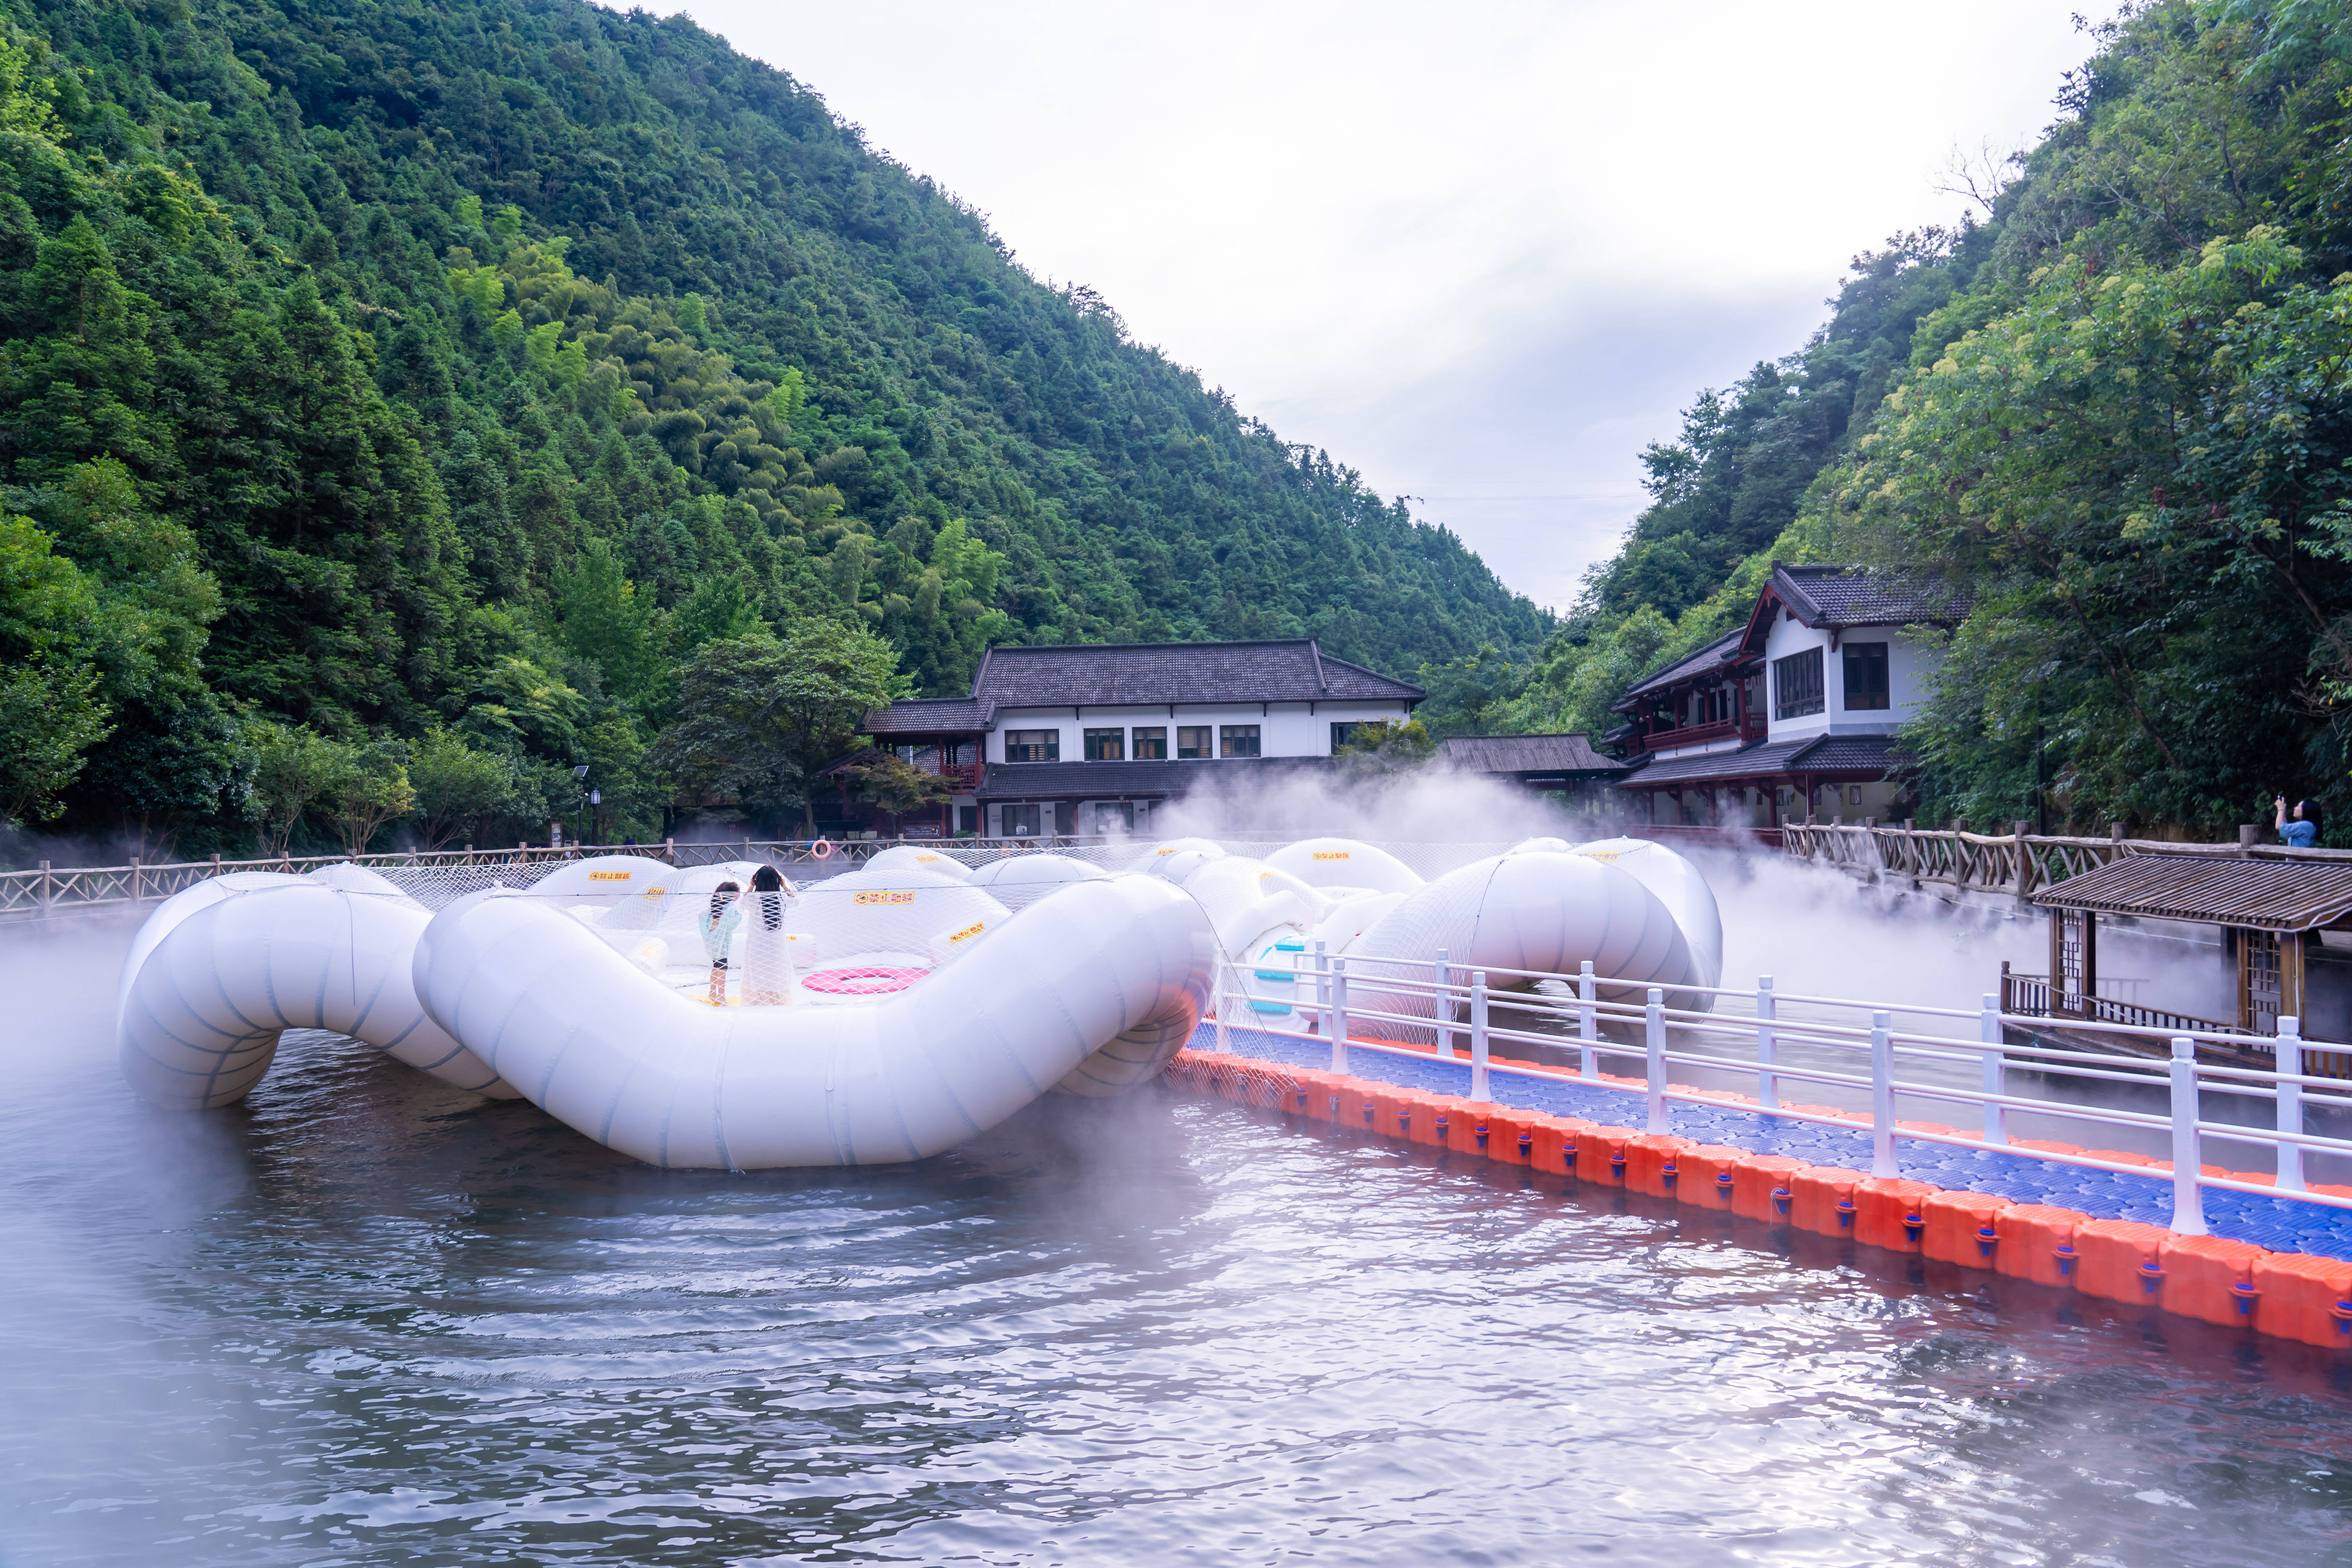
(1859, 1033)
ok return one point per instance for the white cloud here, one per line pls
(1481, 252)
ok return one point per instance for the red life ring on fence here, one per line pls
(822, 848)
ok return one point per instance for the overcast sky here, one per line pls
(1483, 253)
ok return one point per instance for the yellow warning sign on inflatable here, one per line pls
(1330, 854)
(972, 929)
(609, 876)
(881, 898)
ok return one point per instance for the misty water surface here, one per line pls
(367, 1319)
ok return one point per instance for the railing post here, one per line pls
(1996, 1074)
(1478, 1090)
(2188, 1197)
(2024, 864)
(1588, 1023)
(1224, 999)
(1768, 1084)
(137, 881)
(2289, 1104)
(1444, 1008)
(1339, 1014)
(669, 850)
(1323, 989)
(49, 892)
(1881, 1099)
(1654, 1019)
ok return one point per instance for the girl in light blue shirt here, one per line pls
(2303, 831)
(719, 935)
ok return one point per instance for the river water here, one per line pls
(366, 1320)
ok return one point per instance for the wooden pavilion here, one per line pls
(2270, 911)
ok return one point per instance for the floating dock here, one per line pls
(2273, 1264)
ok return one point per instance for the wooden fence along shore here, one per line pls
(52, 891)
(2018, 862)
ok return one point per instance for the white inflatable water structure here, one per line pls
(888, 1014)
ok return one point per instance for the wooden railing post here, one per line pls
(2024, 864)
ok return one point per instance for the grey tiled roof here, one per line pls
(1849, 597)
(1089, 781)
(1526, 754)
(1815, 754)
(1140, 674)
(1854, 752)
(1711, 657)
(932, 716)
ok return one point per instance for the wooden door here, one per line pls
(2270, 979)
(2074, 963)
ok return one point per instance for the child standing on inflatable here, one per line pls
(719, 935)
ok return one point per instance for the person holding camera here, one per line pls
(2300, 831)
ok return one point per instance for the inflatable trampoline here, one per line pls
(721, 1016)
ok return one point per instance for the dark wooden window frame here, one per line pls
(1797, 685)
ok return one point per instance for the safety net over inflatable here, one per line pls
(722, 1016)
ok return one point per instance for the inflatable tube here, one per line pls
(1244, 898)
(1676, 884)
(176, 910)
(204, 1006)
(1035, 870)
(848, 1022)
(636, 1065)
(609, 878)
(1174, 860)
(1020, 880)
(1328, 863)
(907, 858)
(354, 878)
(1541, 911)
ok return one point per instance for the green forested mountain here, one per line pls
(2118, 411)
(429, 383)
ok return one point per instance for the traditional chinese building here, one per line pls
(1092, 738)
(1791, 716)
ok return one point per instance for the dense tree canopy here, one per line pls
(2119, 412)
(419, 368)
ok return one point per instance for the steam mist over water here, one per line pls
(366, 1319)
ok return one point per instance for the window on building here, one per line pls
(967, 819)
(1343, 734)
(1237, 740)
(904, 753)
(1193, 741)
(1033, 745)
(1151, 745)
(1023, 821)
(1797, 684)
(1106, 745)
(1865, 676)
(1108, 816)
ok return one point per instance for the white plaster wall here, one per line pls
(1284, 729)
(1908, 665)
